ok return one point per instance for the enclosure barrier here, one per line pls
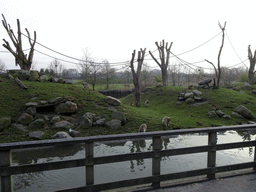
(7, 170)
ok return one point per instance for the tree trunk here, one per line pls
(136, 75)
(252, 60)
(164, 75)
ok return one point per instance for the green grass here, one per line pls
(162, 103)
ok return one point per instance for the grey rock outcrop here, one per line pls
(61, 135)
(36, 134)
(37, 124)
(63, 125)
(25, 118)
(67, 107)
(246, 113)
(85, 122)
(114, 124)
(120, 116)
(205, 82)
(112, 101)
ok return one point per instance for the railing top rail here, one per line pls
(52, 142)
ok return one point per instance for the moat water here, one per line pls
(75, 177)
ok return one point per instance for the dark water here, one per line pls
(75, 177)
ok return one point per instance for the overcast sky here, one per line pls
(112, 29)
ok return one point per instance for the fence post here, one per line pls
(89, 168)
(211, 161)
(254, 167)
(156, 161)
(6, 161)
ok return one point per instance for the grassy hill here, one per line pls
(162, 103)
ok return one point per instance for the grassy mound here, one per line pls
(162, 103)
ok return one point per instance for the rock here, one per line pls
(247, 85)
(237, 115)
(114, 124)
(85, 122)
(254, 91)
(44, 78)
(74, 133)
(242, 110)
(189, 95)
(226, 116)
(112, 101)
(197, 93)
(189, 101)
(61, 135)
(55, 119)
(90, 116)
(100, 122)
(197, 99)
(68, 107)
(178, 103)
(36, 134)
(54, 80)
(31, 104)
(44, 102)
(34, 76)
(25, 118)
(204, 82)
(63, 125)
(181, 98)
(37, 124)
(56, 100)
(5, 122)
(212, 114)
(24, 75)
(19, 127)
(31, 111)
(198, 104)
(120, 116)
(220, 113)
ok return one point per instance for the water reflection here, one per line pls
(53, 180)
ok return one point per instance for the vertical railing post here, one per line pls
(89, 168)
(6, 161)
(156, 161)
(254, 167)
(211, 161)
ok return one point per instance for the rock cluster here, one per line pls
(33, 122)
(36, 76)
(191, 96)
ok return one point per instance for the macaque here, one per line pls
(166, 121)
(86, 85)
(143, 128)
(147, 103)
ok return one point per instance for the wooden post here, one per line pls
(254, 167)
(90, 168)
(211, 161)
(6, 161)
(156, 161)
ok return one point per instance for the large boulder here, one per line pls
(68, 107)
(212, 114)
(247, 85)
(5, 122)
(36, 134)
(63, 125)
(114, 124)
(85, 122)
(24, 75)
(37, 124)
(119, 115)
(56, 100)
(100, 122)
(205, 82)
(61, 135)
(237, 115)
(25, 118)
(242, 110)
(44, 78)
(197, 93)
(189, 100)
(31, 111)
(189, 95)
(112, 101)
(34, 75)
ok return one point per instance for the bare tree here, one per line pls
(20, 57)
(107, 71)
(2, 66)
(164, 60)
(56, 66)
(93, 72)
(136, 75)
(147, 78)
(218, 72)
(252, 59)
(85, 64)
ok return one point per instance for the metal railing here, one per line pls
(7, 170)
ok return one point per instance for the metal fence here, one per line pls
(89, 161)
